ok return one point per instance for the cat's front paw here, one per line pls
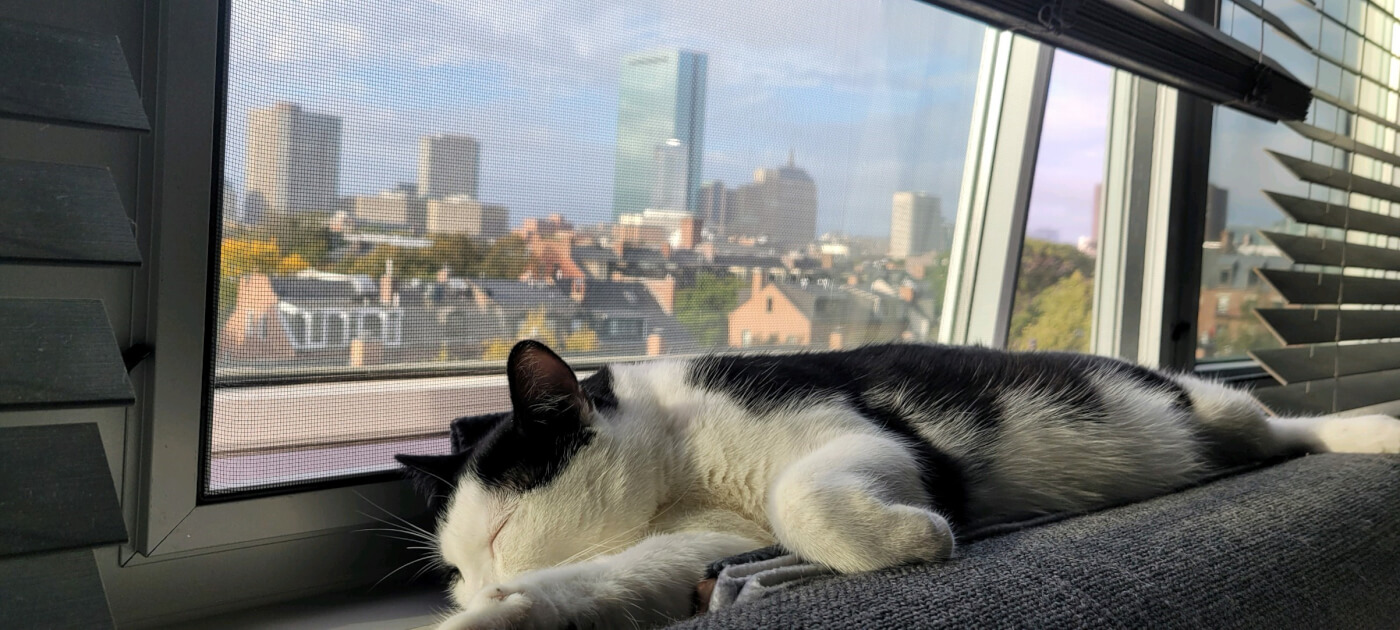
(542, 601)
(494, 608)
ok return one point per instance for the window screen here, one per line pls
(411, 187)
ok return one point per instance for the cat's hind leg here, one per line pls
(1355, 434)
(857, 504)
(1238, 429)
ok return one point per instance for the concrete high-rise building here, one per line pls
(714, 205)
(780, 204)
(448, 166)
(916, 224)
(293, 160)
(464, 215)
(1217, 212)
(661, 97)
(400, 208)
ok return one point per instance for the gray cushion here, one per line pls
(1309, 543)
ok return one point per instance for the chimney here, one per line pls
(690, 232)
(906, 293)
(386, 284)
(619, 246)
(852, 280)
(756, 274)
(664, 291)
(578, 289)
(655, 346)
(836, 340)
(666, 251)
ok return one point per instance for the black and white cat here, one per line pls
(600, 503)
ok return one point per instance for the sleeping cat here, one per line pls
(600, 503)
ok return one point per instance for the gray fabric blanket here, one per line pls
(1309, 543)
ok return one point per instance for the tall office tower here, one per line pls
(714, 205)
(293, 161)
(669, 176)
(448, 166)
(916, 224)
(780, 204)
(1217, 212)
(661, 97)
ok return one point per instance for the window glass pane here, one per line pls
(412, 186)
(1055, 284)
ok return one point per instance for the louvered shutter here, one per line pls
(57, 495)
(1339, 324)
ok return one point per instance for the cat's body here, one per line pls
(599, 504)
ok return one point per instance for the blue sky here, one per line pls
(873, 96)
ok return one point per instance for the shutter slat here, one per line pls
(1272, 20)
(53, 590)
(1333, 215)
(56, 490)
(59, 353)
(1307, 287)
(1349, 392)
(1317, 362)
(1311, 325)
(63, 214)
(1308, 250)
(1336, 178)
(1342, 142)
(67, 77)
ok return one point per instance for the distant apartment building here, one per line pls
(448, 166)
(293, 160)
(819, 314)
(916, 225)
(714, 205)
(464, 215)
(1217, 212)
(661, 98)
(780, 204)
(398, 209)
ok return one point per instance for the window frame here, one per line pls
(171, 520)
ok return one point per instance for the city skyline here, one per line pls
(869, 102)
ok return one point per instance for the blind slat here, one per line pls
(1309, 287)
(1308, 250)
(1295, 326)
(1348, 392)
(1337, 178)
(1334, 215)
(1316, 362)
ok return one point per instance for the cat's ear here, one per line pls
(543, 389)
(435, 476)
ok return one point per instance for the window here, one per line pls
(412, 187)
(1055, 283)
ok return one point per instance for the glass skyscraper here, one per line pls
(661, 105)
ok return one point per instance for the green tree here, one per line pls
(704, 308)
(506, 258)
(1044, 263)
(936, 283)
(1056, 318)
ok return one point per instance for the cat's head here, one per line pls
(555, 480)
